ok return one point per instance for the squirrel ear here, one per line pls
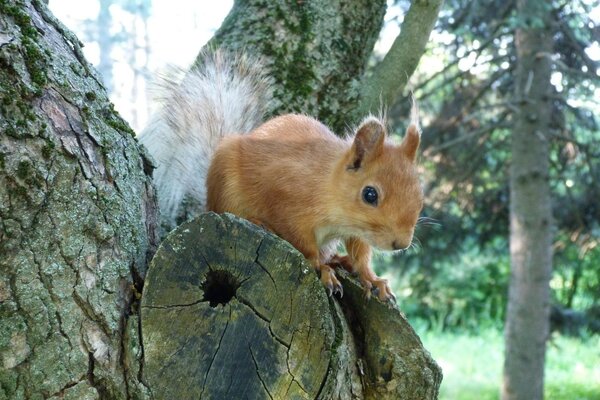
(410, 143)
(368, 142)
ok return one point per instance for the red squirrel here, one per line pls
(290, 174)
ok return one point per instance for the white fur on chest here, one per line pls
(328, 239)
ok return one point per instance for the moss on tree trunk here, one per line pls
(77, 216)
(316, 51)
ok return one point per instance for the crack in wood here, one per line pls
(122, 346)
(264, 318)
(171, 359)
(257, 262)
(258, 373)
(339, 331)
(169, 306)
(215, 354)
(61, 330)
(142, 357)
(287, 363)
(61, 392)
(205, 261)
(89, 312)
(96, 384)
(53, 298)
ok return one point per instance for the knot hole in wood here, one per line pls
(219, 286)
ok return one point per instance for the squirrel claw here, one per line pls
(335, 289)
(339, 289)
(392, 298)
(331, 283)
(380, 289)
(375, 290)
(387, 296)
(329, 289)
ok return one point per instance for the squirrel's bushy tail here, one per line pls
(227, 94)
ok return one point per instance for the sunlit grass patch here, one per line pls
(573, 368)
(472, 365)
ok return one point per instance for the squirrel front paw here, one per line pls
(380, 288)
(330, 281)
(370, 282)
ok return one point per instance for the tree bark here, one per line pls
(77, 220)
(527, 320)
(316, 51)
(231, 311)
(77, 208)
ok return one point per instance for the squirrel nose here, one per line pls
(397, 245)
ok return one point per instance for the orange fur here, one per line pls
(294, 176)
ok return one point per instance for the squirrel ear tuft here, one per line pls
(368, 142)
(410, 143)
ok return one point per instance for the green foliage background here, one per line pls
(459, 276)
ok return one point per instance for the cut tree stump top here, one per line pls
(231, 311)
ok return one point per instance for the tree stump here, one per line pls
(231, 311)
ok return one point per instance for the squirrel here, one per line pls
(290, 174)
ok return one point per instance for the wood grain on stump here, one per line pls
(230, 311)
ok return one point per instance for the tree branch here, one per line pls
(390, 76)
(466, 136)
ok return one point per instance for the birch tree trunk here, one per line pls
(77, 220)
(527, 320)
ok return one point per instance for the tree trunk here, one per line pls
(527, 320)
(78, 213)
(316, 51)
(230, 311)
(77, 217)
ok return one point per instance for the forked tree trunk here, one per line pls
(77, 220)
(78, 217)
(527, 319)
(316, 51)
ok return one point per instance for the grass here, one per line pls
(472, 366)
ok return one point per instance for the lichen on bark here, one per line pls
(315, 50)
(76, 217)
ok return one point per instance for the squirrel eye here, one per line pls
(370, 195)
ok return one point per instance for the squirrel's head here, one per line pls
(382, 191)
